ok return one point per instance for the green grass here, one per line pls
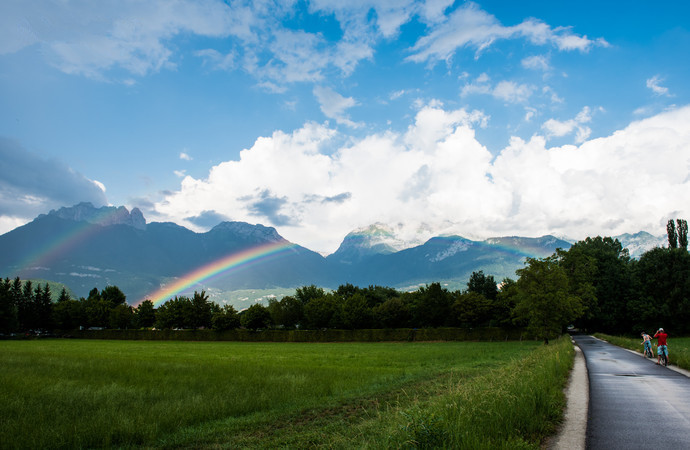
(678, 348)
(73, 393)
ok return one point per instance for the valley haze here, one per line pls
(235, 262)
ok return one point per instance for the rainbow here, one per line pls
(62, 243)
(233, 261)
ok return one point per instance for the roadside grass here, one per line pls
(71, 393)
(678, 348)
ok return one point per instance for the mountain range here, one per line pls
(85, 247)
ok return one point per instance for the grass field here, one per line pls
(83, 393)
(678, 348)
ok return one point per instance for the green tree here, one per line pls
(43, 308)
(256, 317)
(96, 310)
(505, 304)
(432, 306)
(376, 295)
(225, 318)
(393, 313)
(321, 312)
(355, 313)
(307, 293)
(473, 309)
(288, 312)
(544, 300)
(64, 296)
(145, 314)
(174, 313)
(8, 308)
(482, 284)
(682, 233)
(113, 296)
(671, 234)
(599, 273)
(201, 311)
(121, 317)
(68, 314)
(25, 303)
(662, 281)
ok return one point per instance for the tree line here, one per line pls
(594, 285)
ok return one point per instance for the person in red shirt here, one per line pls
(661, 346)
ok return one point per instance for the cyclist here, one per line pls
(661, 348)
(647, 342)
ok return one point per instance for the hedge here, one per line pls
(327, 335)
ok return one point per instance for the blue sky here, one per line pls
(473, 118)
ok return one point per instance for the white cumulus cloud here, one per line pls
(439, 178)
(470, 26)
(654, 84)
(334, 105)
(557, 128)
(508, 91)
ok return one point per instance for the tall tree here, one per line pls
(121, 317)
(682, 233)
(307, 293)
(25, 308)
(114, 296)
(483, 284)
(64, 296)
(225, 318)
(599, 273)
(8, 309)
(432, 306)
(544, 299)
(43, 308)
(288, 312)
(145, 314)
(201, 311)
(393, 313)
(255, 317)
(662, 283)
(671, 233)
(356, 313)
(473, 309)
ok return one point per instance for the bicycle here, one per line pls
(663, 356)
(648, 352)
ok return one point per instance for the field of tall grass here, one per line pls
(87, 393)
(678, 348)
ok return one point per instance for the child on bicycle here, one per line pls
(662, 348)
(647, 343)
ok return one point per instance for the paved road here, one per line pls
(633, 403)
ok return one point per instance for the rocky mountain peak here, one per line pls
(248, 231)
(104, 216)
(376, 239)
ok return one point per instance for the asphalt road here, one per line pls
(633, 403)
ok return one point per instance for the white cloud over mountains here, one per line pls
(438, 178)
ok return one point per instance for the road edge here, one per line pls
(572, 433)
